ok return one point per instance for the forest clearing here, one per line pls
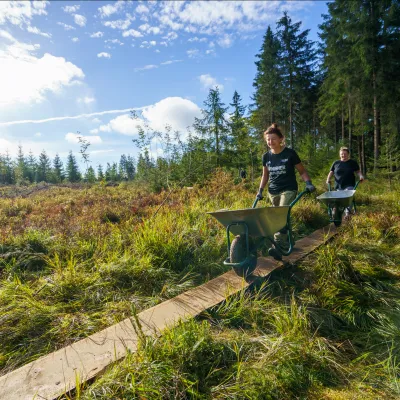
(200, 200)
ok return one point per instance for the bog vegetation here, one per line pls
(80, 251)
(76, 260)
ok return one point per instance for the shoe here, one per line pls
(273, 252)
(282, 240)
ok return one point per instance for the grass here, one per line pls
(326, 329)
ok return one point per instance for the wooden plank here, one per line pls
(52, 375)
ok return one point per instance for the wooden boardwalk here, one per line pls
(54, 374)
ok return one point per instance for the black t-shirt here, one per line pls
(282, 175)
(344, 173)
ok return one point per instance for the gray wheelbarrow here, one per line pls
(251, 227)
(337, 201)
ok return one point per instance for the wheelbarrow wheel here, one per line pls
(238, 254)
(337, 217)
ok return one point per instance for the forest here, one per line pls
(341, 90)
(84, 248)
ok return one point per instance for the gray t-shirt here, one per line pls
(281, 169)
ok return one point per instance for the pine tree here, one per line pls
(21, 172)
(31, 167)
(58, 169)
(213, 124)
(72, 169)
(239, 132)
(297, 58)
(267, 107)
(100, 173)
(90, 175)
(43, 168)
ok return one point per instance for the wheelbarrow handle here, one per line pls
(299, 196)
(255, 203)
(355, 187)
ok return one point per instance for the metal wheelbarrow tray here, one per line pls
(263, 221)
(341, 198)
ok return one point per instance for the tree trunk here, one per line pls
(343, 134)
(336, 135)
(362, 156)
(350, 133)
(377, 135)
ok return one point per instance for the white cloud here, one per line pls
(142, 9)
(97, 34)
(209, 82)
(155, 30)
(94, 131)
(193, 53)
(104, 55)
(41, 121)
(96, 120)
(225, 41)
(177, 112)
(101, 151)
(75, 39)
(171, 36)
(196, 39)
(132, 32)
(170, 62)
(149, 66)
(37, 31)
(66, 26)
(80, 20)
(113, 41)
(26, 79)
(21, 12)
(71, 9)
(109, 9)
(86, 100)
(218, 17)
(38, 134)
(74, 138)
(118, 24)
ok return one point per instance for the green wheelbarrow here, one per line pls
(337, 201)
(251, 227)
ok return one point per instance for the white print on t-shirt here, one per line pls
(285, 160)
(276, 171)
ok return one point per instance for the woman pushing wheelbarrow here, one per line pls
(344, 170)
(279, 165)
(252, 226)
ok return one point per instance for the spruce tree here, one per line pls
(297, 58)
(72, 169)
(58, 169)
(213, 124)
(267, 107)
(43, 168)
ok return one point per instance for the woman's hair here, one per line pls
(345, 149)
(273, 129)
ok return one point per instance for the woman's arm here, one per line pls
(303, 173)
(264, 180)
(360, 175)
(306, 178)
(328, 179)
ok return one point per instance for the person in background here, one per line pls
(279, 166)
(344, 171)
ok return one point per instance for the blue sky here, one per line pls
(81, 66)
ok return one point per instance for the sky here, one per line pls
(70, 68)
